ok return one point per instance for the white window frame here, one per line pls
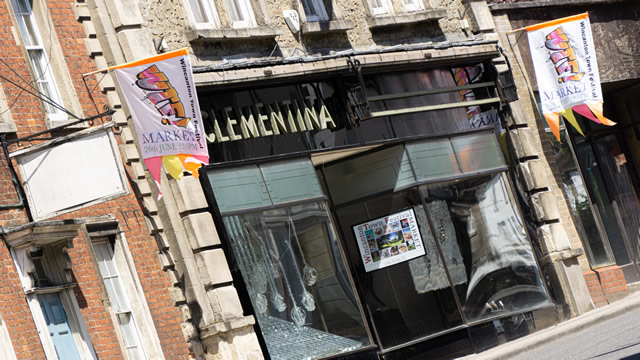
(120, 304)
(147, 336)
(384, 7)
(318, 7)
(413, 5)
(206, 10)
(38, 57)
(243, 7)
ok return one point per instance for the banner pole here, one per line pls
(515, 31)
(96, 72)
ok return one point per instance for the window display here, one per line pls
(482, 236)
(297, 281)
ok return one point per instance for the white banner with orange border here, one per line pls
(564, 60)
(162, 99)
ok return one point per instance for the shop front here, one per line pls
(371, 215)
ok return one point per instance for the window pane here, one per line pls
(483, 239)
(239, 188)
(198, 11)
(111, 292)
(297, 282)
(290, 180)
(235, 11)
(369, 175)
(40, 64)
(21, 6)
(593, 175)
(433, 159)
(578, 201)
(102, 255)
(24, 17)
(309, 9)
(129, 336)
(477, 152)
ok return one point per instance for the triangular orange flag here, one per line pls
(596, 108)
(553, 120)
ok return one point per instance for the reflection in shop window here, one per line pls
(297, 282)
(479, 226)
(578, 199)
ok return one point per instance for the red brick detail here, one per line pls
(612, 280)
(595, 289)
(28, 116)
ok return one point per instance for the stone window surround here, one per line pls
(109, 229)
(5, 342)
(333, 22)
(222, 28)
(59, 68)
(6, 120)
(406, 18)
(54, 238)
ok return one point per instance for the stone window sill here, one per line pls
(408, 18)
(321, 27)
(258, 32)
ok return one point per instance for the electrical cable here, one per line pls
(46, 68)
(39, 94)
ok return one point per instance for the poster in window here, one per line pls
(389, 240)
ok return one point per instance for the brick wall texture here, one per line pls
(28, 116)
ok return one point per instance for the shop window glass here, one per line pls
(578, 201)
(433, 159)
(264, 185)
(297, 281)
(384, 170)
(477, 152)
(618, 179)
(476, 218)
(407, 300)
(239, 188)
(290, 180)
(593, 175)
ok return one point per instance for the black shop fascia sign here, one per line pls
(264, 120)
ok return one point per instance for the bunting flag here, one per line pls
(162, 99)
(566, 69)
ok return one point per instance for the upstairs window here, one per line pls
(314, 10)
(413, 5)
(119, 299)
(380, 7)
(204, 14)
(240, 13)
(38, 57)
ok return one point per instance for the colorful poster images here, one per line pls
(389, 240)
